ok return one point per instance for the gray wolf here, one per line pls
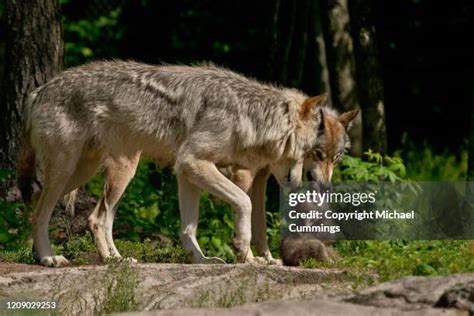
(319, 162)
(194, 118)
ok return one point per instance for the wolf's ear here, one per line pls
(321, 121)
(309, 105)
(347, 118)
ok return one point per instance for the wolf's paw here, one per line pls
(255, 260)
(264, 261)
(54, 261)
(273, 261)
(130, 260)
(111, 259)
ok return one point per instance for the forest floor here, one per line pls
(242, 289)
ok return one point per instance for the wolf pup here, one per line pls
(200, 118)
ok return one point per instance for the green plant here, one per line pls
(78, 248)
(216, 228)
(14, 219)
(140, 206)
(311, 263)
(21, 254)
(92, 37)
(120, 289)
(423, 163)
(372, 167)
(274, 232)
(150, 251)
(393, 259)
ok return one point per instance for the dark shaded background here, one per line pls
(425, 52)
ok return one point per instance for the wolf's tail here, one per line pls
(26, 163)
(70, 201)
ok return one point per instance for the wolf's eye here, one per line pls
(319, 154)
(338, 158)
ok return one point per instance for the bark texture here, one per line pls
(341, 64)
(368, 73)
(33, 55)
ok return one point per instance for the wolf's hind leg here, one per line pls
(58, 169)
(119, 171)
(205, 175)
(86, 168)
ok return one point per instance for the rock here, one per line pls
(460, 296)
(167, 286)
(418, 292)
(243, 289)
(300, 308)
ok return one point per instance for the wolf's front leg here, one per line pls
(259, 217)
(189, 195)
(204, 174)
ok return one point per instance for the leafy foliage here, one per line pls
(138, 211)
(424, 164)
(374, 168)
(19, 254)
(14, 220)
(93, 37)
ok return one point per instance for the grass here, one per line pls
(115, 292)
(21, 255)
(120, 289)
(387, 259)
(394, 259)
(80, 250)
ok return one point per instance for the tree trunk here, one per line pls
(369, 78)
(33, 55)
(341, 64)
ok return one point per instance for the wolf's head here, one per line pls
(319, 141)
(331, 144)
